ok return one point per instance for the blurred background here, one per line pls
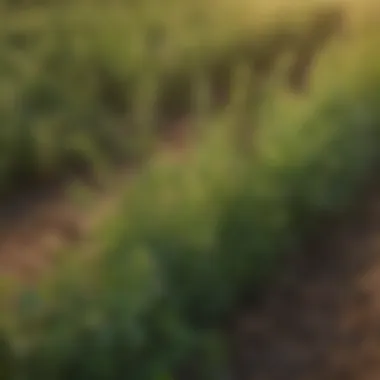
(164, 165)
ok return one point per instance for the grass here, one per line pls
(85, 85)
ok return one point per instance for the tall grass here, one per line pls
(86, 83)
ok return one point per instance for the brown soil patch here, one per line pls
(322, 322)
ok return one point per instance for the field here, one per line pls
(189, 190)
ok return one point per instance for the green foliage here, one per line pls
(85, 83)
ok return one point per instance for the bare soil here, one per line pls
(322, 320)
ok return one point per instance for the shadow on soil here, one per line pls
(322, 320)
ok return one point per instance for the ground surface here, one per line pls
(322, 322)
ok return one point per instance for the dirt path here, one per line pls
(323, 321)
(34, 228)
